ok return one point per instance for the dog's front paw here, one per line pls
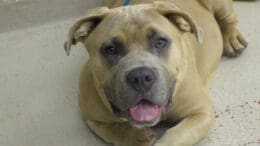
(169, 143)
(146, 137)
(171, 140)
(160, 144)
(234, 42)
(163, 141)
(138, 137)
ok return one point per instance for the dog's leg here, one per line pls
(123, 134)
(234, 42)
(190, 130)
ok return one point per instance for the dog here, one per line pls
(152, 61)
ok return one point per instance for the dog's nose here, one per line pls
(141, 79)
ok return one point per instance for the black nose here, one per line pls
(141, 79)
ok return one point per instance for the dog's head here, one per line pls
(136, 56)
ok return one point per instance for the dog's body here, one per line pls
(134, 86)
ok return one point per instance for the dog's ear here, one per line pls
(179, 17)
(81, 29)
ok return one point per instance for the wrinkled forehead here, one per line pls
(130, 13)
(134, 21)
(131, 26)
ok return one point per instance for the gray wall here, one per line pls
(17, 14)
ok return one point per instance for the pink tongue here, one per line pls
(145, 112)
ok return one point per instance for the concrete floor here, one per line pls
(38, 88)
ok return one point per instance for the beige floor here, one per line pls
(38, 88)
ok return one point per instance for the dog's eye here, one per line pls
(110, 50)
(160, 43)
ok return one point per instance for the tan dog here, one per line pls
(153, 61)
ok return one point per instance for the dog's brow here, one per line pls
(116, 40)
(113, 40)
(153, 32)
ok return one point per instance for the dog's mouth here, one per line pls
(144, 112)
